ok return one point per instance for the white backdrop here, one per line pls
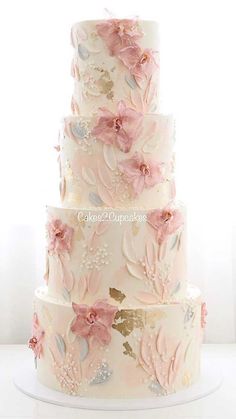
(198, 71)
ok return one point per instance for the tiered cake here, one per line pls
(117, 318)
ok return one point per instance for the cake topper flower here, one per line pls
(141, 63)
(120, 129)
(94, 321)
(35, 342)
(203, 315)
(60, 237)
(165, 222)
(118, 34)
(141, 173)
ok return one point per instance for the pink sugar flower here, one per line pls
(141, 63)
(94, 321)
(165, 221)
(121, 129)
(141, 173)
(60, 237)
(118, 34)
(203, 315)
(35, 342)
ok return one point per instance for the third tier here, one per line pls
(120, 159)
(128, 256)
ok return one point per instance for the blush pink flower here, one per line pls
(141, 173)
(165, 222)
(203, 315)
(118, 34)
(141, 63)
(94, 321)
(60, 237)
(120, 129)
(36, 341)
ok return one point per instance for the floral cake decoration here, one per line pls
(36, 341)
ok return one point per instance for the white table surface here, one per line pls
(219, 405)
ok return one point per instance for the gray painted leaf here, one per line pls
(83, 52)
(66, 294)
(177, 288)
(130, 80)
(95, 199)
(189, 314)
(174, 242)
(103, 374)
(78, 130)
(156, 388)
(61, 346)
(83, 348)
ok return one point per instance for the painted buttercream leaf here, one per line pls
(105, 195)
(179, 242)
(88, 175)
(109, 156)
(189, 314)
(78, 34)
(62, 188)
(176, 289)
(156, 388)
(146, 297)
(174, 241)
(68, 277)
(61, 346)
(94, 281)
(71, 337)
(95, 199)
(128, 350)
(151, 252)
(103, 374)
(116, 294)
(83, 52)
(130, 80)
(82, 287)
(78, 130)
(135, 270)
(104, 176)
(128, 320)
(128, 248)
(83, 348)
(178, 358)
(66, 294)
(102, 227)
(190, 348)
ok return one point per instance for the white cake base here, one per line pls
(26, 381)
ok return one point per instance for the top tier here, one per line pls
(115, 60)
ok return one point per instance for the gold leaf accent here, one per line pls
(128, 350)
(151, 317)
(135, 228)
(187, 379)
(128, 320)
(117, 294)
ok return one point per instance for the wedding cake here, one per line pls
(117, 317)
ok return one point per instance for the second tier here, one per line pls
(121, 159)
(127, 256)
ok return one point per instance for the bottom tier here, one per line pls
(113, 352)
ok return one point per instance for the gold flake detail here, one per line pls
(117, 294)
(128, 350)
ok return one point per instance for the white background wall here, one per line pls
(198, 72)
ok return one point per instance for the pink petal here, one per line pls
(130, 56)
(100, 331)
